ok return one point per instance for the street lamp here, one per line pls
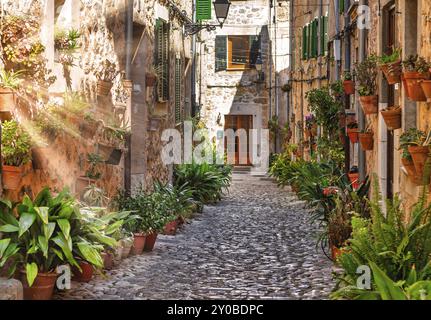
(259, 65)
(221, 8)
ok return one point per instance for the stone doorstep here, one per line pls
(10, 289)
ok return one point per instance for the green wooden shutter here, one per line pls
(314, 39)
(178, 96)
(304, 43)
(166, 61)
(341, 6)
(203, 10)
(325, 36)
(309, 41)
(162, 59)
(220, 53)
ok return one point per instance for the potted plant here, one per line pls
(354, 177)
(366, 74)
(392, 117)
(9, 84)
(391, 66)
(353, 132)
(417, 143)
(366, 139)
(111, 142)
(105, 77)
(406, 158)
(415, 70)
(16, 152)
(348, 83)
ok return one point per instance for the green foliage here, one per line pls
(48, 121)
(415, 63)
(67, 39)
(207, 182)
(16, 144)
(325, 108)
(10, 80)
(390, 58)
(366, 75)
(94, 161)
(396, 244)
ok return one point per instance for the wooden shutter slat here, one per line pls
(203, 10)
(220, 53)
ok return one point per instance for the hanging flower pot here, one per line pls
(413, 87)
(85, 274)
(353, 134)
(170, 228)
(349, 87)
(138, 243)
(392, 72)
(409, 166)
(420, 156)
(42, 288)
(354, 179)
(426, 87)
(366, 140)
(11, 177)
(369, 104)
(150, 242)
(104, 87)
(392, 117)
(7, 100)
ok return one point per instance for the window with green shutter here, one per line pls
(323, 35)
(341, 6)
(178, 94)
(220, 53)
(203, 10)
(314, 38)
(304, 43)
(161, 58)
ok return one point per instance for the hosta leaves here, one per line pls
(26, 220)
(32, 271)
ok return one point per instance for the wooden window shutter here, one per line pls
(325, 36)
(203, 10)
(220, 53)
(341, 6)
(315, 37)
(178, 96)
(309, 41)
(304, 43)
(162, 59)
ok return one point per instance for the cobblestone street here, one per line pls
(256, 244)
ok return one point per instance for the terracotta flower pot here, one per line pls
(413, 86)
(138, 243)
(392, 118)
(11, 177)
(150, 80)
(108, 260)
(392, 72)
(411, 171)
(150, 242)
(42, 288)
(353, 135)
(349, 87)
(369, 104)
(127, 248)
(85, 275)
(367, 141)
(104, 87)
(426, 87)
(354, 179)
(7, 99)
(420, 156)
(171, 228)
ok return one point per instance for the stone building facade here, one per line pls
(233, 93)
(103, 25)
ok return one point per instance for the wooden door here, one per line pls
(237, 122)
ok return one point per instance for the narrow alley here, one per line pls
(255, 244)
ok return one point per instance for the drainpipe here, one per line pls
(337, 35)
(193, 76)
(361, 116)
(129, 46)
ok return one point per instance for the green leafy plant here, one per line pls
(16, 144)
(347, 76)
(10, 80)
(390, 58)
(67, 40)
(94, 160)
(366, 75)
(107, 71)
(415, 63)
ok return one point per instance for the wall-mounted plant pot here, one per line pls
(42, 288)
(11, 177)
(83, 183)
(353, 135)
(411, 171)
(392, 118)
(369, 104)
(420, 156)
(354, 179)
(349, 87)
(413, 86)
(85, 274)
(150, 80)
(138, 243)
(392, 72)
(150, 242)
(426, 87)
(39, 157)
(367, 141)
(104, 88)
(115, 157)
(170, 228)
(7, 100)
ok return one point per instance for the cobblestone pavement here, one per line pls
(256, 244)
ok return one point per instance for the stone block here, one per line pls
(10, 289)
